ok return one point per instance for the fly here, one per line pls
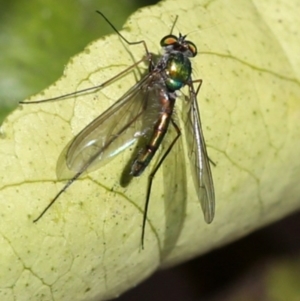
(146, 110)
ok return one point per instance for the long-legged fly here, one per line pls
(146, 110)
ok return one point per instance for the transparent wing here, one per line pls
(175, 188)
(112, 132)
(199, 160)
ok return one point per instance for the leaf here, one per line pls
(87, 246)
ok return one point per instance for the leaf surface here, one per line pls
(87, 246)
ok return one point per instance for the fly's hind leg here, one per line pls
(151, 178)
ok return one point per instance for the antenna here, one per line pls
(175, 21)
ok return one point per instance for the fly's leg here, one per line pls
(148, 57)
(69, 183)
(148, 54)
(120, 35)
(94, 88)
(199, 81)
(87, 165)
(151, 177)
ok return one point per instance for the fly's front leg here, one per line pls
(196, 81)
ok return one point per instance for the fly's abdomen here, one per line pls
(147, 152)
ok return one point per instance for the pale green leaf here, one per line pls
(87, 246)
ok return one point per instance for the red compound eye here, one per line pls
(168, 40)
(192, 48)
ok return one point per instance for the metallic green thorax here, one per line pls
(178, 71)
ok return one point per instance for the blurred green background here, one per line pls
(37, 38)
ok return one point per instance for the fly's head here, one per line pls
(172, 43)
